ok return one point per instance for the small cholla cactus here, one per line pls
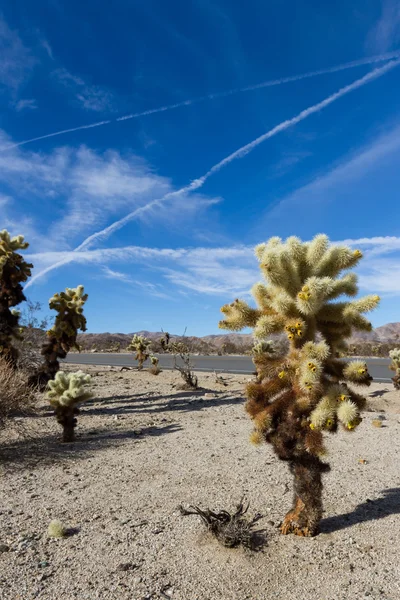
(304, 393)
(65, 392)
(395, 366)
(56, 529)
(140, 345)
(14, 271)
(63, 335)
(155, 369)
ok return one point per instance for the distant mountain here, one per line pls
(389, 332)
(385, 333)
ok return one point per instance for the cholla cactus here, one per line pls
(395, 366)
(13, 272)
(300, 395)
(62, 336)
(65, 392)
(140, 345)
(155, 369)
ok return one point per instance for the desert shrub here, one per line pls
(395, 366)
(305, 392)
(62, 337)
(15, 396)
(65, 392)
(140, 345)
(182, 360)
(230, 529)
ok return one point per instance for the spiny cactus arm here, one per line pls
(356, 371)
(283, 303)
(238, 315)
(335, 260)
(267, 324)
(313, 294)
(346, 285)
(261, 295)
(316, 249)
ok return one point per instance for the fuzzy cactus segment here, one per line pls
(308, 295)
(64, 393)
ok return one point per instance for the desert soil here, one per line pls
(143, 448)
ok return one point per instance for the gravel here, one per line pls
(143, 448)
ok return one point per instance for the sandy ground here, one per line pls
(143, 448)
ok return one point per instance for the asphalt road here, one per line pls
(378, 367)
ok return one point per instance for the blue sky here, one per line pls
(199, 129)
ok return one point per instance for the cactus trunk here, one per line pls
(69, 428)
(303, 519)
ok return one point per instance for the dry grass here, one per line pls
(15, 395)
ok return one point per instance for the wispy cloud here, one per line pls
(49, 51)
(264, 84)
(238, 154)
(16, 61)
(220, 272)
(152, 289)
(353, 168)
(90, 97)
(27, 104)
(386, 32)
(83, 189)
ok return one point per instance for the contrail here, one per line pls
(198, 183)
(270, 83)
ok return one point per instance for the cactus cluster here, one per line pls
(305, 392)
(63, 335)
(140, 345)
(14, 271)
(395, 366)
(65, 392)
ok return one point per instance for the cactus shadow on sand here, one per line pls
(370, 510)
(30, 452)
(184, 401)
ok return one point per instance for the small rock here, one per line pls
(4, 548)
(127, 567)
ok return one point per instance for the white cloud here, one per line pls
(90, 97)
(353, 169)
(197, 184)
(16, 61)
(225, 272)
(83, 189)
(45, 44)
(386, 32)
(25, 104)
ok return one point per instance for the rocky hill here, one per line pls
(386, 333)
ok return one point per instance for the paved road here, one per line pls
(378, 367)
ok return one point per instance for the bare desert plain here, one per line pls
(144, 447)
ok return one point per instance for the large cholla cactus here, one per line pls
(13, 271)
(140, 345)
(395, 366)
(62, 336)
(300, 395)
(65, 392)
